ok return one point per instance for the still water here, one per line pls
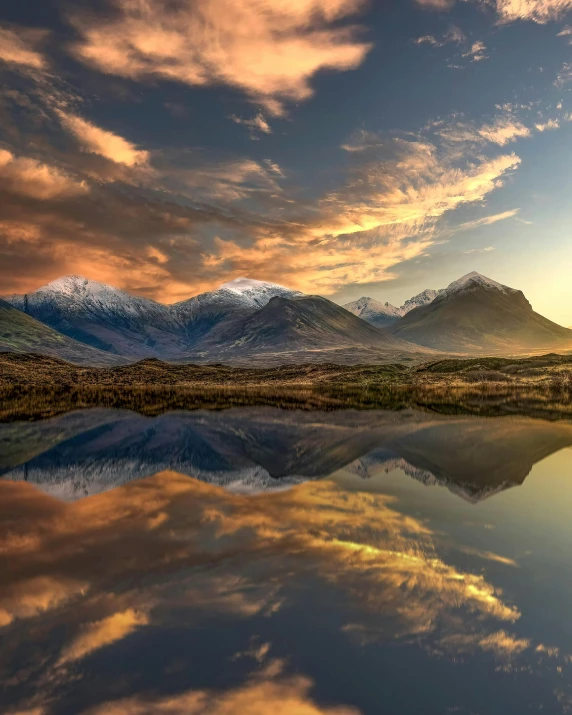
(257, 561)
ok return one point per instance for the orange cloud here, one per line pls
(269, 50)
(20, 47)
(102, 633)
(266, 692)
(541, 11)
(385, 214)
(99, 141)
(30, 177)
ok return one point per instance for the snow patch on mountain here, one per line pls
(75, 295)
(367, 308)
(475, 280)
(424, 298)
(258, 293)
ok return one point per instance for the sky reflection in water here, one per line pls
(397, 573)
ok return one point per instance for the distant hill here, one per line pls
(382, 315)
(20, 333)
(303, 329)
(475, 314)
(375, 313)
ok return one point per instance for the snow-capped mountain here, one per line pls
(423, 298)
(379, 314)
(384, 314)
(476, 315)
(258, 293)
(239, 297)
(104, 317)
(474, 280)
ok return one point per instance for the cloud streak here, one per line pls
(99, 141)
(22, 46)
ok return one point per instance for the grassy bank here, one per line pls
(32, 386)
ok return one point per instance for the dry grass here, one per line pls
(33, 387)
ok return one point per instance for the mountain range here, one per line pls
(249, 322)
(90, 451)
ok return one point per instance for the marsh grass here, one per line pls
(33, 387)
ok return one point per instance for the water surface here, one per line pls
(263, 561)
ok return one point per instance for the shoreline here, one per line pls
(35, 387)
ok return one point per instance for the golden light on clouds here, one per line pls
(21, 47)
(99, 141)
(269, 691)
(269, 50)
(36, 180)
(102, 633)
(537, 10)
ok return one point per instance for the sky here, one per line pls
(339, 147)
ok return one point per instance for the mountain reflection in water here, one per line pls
(357, 589)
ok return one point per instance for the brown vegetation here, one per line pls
(33, 386)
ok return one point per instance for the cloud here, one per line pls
(564, 75)
(269, 691)
(503, 130)
(477, 52)
(20, 46)
(99, 141)
(487, 249)
(102, 633)
(32, 178)
(257, 124)
(266, 49)
(547, 125)
(436, 4)
(383, 214)
(540, 11)
(453, 35)
(487, 221)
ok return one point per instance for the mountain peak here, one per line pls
(248, 285)
(70, 285)
(474, 279)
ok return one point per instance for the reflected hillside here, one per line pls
(91, 451)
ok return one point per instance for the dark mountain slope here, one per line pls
(20, 333)
(303, 329)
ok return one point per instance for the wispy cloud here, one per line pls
(486, 221)
(487, 249)
(477, 52)
(100, 141)
(22, 46)
(257, 124)
(453, 35)
(541, 11)
(34, 179)
(502, 130)
(268, 50)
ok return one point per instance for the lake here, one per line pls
(257, 560)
